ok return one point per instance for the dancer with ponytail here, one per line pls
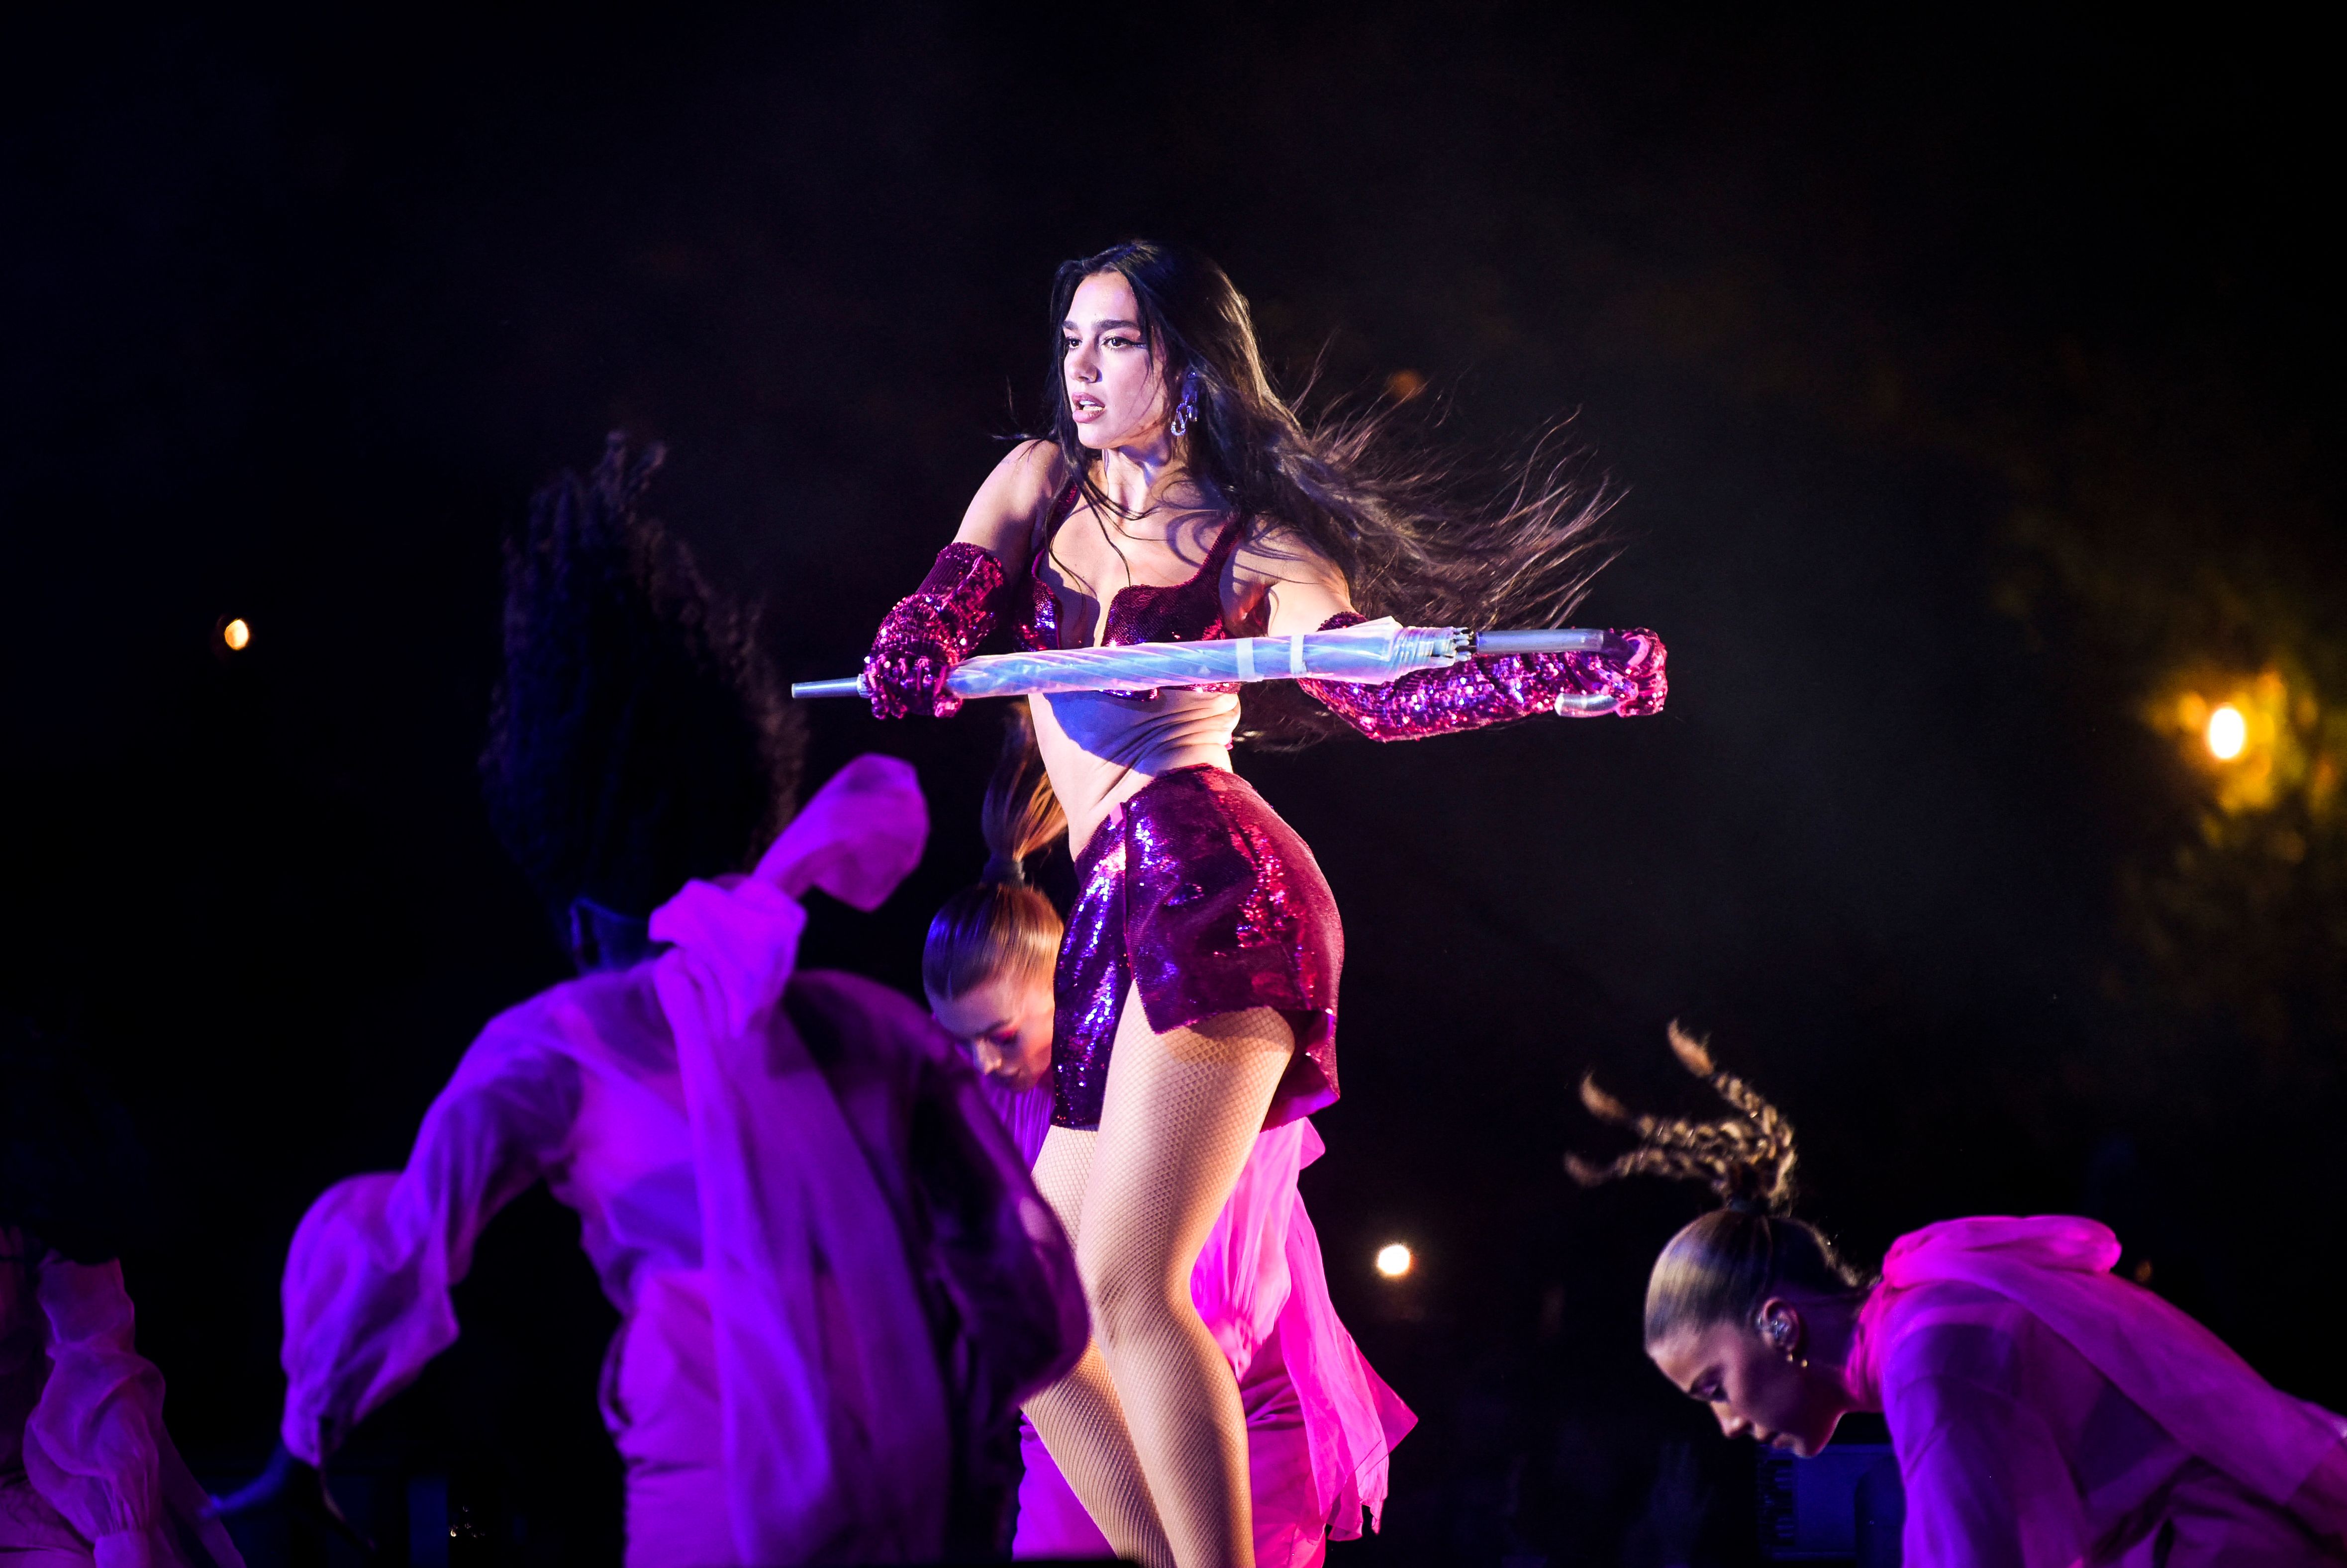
(1178, 498)
(2043, 1410)
(1320, 1422)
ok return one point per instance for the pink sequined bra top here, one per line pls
(1185, 612)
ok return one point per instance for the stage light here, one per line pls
(2228, 733)
(236, 634)
(1403, 385)
(1394, 1260)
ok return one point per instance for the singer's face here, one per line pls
(1006, 1023)
(1115, 388)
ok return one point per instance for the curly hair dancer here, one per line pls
(2042, 1411)
(756, 1153)
(638, 736)
(1178, 498)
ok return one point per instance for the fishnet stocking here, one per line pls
(1180, 1113)
(1152, 1415)
(1080, 1417)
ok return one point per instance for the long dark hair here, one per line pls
(639, 737)
(1002, 927)
(1396, 524)
(1725, 1265)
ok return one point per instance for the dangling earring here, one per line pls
(1780, 1333)
(1185, 414)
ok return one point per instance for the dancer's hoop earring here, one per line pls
(1185, 414)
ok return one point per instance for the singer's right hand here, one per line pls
(905, 675)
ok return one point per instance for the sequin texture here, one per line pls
(1197, 894)
(1185, 612)
(930, 631)
(1477, 693)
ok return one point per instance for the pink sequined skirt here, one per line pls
(1196, 893)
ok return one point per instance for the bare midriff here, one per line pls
(1101, 750)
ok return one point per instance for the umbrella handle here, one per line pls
(1559, 639)
(845, 685)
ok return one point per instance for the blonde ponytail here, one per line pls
(1002, 928)
(1722, 1268)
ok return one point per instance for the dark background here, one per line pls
(1972, 387)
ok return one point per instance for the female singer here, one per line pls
(1178, 498)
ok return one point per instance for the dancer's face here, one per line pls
(1753, 1385)
(1007, 1026)
(1116, 391)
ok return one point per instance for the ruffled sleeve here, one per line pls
(836, 1445)
(366, 1283)
(94, 1446)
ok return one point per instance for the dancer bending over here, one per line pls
(2043, 1410)
(1178, 499)
(835, 1279)
(1320, 1422)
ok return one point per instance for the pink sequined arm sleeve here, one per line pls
(367, 1280)
(1474, 694)
(930, 631)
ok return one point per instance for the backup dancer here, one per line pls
(1320, 1422)
(89, 1477)
(1178, 498)
(2043, 1410)
(834, 1276)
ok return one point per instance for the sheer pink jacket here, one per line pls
(744, 1207)
(2046, 1413)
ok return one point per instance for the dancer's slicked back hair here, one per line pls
(1722, 1268)
(1416, 537)
(639, 737)
(1002, 928)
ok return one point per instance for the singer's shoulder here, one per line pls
(1031, 472)
(1016, 498)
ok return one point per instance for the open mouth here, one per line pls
(1086, 408)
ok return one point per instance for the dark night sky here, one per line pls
(295, 320)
